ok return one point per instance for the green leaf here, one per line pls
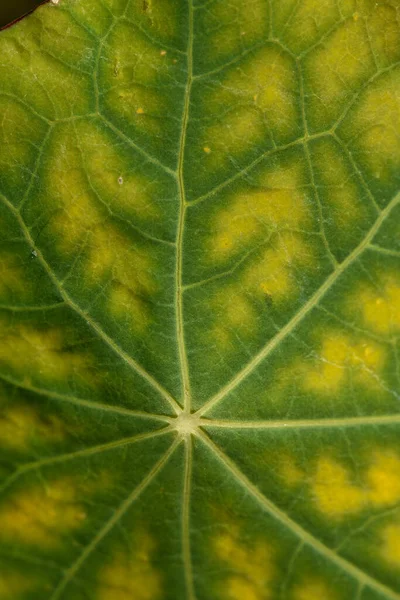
(200, 301)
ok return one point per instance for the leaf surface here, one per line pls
(200, 301)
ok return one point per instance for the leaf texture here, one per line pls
(200, 301)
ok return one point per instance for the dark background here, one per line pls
(12, 9)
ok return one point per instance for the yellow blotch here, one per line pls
(338, 496)
(289, 471)
(383, 478)
(42, 516)
(341, 357)
(280, 201)
(82, 220)
(94, 16)
(336, 69)
(309, 20)
(379, 305)
(313, 589)
(63, 37)
(102, 164)
(239, 24)
(342, 195)
(261, 98)
(133, 72)
(12, 277)
(19, 131)
(234, 311)
(273, 274)
(42, 352)
(27, 70)
(389, 547)
(384, 31)
(252, 564)
(131, 574)
(375, 125)
(126, 304)
(21, 426)
(270, 277)
(159, 17)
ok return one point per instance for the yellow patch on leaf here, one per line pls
(313, 589)
(133, 68)
(289, 470)
(27, 71)
(305, 22)
(342, 197)
(131, 574)
(260, 96)
(375, 124)
(21, 426)
(280, 201)
(252, 564)
(389, 547)
(337, 495)
(342, 356)
(379, 304)
(19, 130)
(238, 24)
(270, 277)
(83, 221)
(29, 351)
(336, 68)
(12, 277)
(41, 516)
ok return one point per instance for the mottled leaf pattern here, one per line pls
(200, 301)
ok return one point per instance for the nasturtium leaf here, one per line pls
(200, 301)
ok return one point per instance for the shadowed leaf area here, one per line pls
(200, 301)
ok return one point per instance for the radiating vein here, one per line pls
(301, 314)
(186, 551)
(181, 221)
(300, 532)
(85, 316)
(303, 423)
(117, 515)
(92, 404)
(61, 458)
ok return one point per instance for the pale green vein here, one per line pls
(132, 144)
(88, 320)
(107, 527)
(186, 551)
(358, 93)
(387, 251)
(254, 163)
(92, 450)
(36, 168)
(92, 404)
(309, 539)
(44, 307)
(361, 178)
(303, 423)
(301, 314)
(180, 333)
